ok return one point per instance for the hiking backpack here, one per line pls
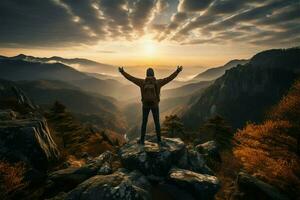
(150, 93)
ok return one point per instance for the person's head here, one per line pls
(150, 72)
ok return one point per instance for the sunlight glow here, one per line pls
(149, 48)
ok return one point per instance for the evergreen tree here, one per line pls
(217, 129)
(172, 125)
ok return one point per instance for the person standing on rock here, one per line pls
(150, 92)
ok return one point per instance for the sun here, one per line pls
(149, 48)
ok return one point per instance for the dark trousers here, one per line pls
(155, 113)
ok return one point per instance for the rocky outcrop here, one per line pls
(194, 161)
(69, 178)
(156, 160)
(11, 96)
(171, 170)
(24, 135)
(119, 185)
(209, 150)
(152, 159)
(251, 188)
(203, 186)
(27, 140)
(101, 164)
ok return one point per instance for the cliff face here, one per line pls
(29, 141)
(245, 93)
(12, 96)
(24, 133)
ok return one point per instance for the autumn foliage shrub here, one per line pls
(11, 177)
(289, 107)
(270, 150)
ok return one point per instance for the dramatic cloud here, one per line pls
(117, 16)
(162, 5)
(36, 22)
(42, 23)
(243, 20)
(87, 13)
(176, 20)
(226, 7)
(142, 13)
(193, 5)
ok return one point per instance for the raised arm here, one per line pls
(166, 80)
(133, 79)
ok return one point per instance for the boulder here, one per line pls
(105, 169)
(202, 186)
(152, 159)
(118, 185)
(12, 96)
(249, 187)
(102, 163)
(69, 178)
(209, 149)
(194, 161)
(29, 141)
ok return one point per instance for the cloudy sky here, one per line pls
(148, 32)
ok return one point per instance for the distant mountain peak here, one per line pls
(20, 56)
(216, 72)
(236, 61)
(55, 57)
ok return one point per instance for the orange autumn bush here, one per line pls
(289, 107)
(270, 150)
(11, 177)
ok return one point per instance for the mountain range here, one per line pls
(240, 90)
(246, 92)
(17, 69)
(85, 64)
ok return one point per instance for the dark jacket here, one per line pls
(159, 83)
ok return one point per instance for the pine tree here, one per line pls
(173, 125)
(217, 129)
